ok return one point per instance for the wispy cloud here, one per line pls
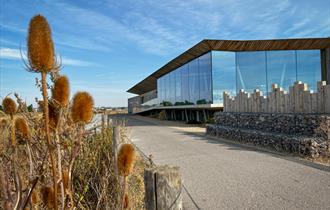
(15, 54)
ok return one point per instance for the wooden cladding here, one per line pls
(298, 100)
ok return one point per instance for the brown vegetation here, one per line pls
(40, 45)
(61, 91)
(67, 157)
(22, 129)
(82, 108)
(126, 158)
(9, 106)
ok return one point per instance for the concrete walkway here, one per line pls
(223, 175)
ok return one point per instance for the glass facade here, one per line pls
(223, 74)
(188, 84)
(204, 79)
(251, 71)
(309, 67)
(281, 68)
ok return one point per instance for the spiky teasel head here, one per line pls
(9, 106)
(126, 201)
(53, 116)
(40, 46)
(22, 129)
(61, 91)
(48, 196)
(126, 159)
(82, 108)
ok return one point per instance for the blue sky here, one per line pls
(107, 46)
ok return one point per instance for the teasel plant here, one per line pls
(81, 114)
(125, 160)
(10, 108)
(22, 132)
(42, 59)
(60, 101)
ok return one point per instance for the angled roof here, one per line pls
(206, 45)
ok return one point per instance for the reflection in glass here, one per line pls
(309, 67)
(224, 67)
(281, 68)
(185, 83)
(205, 84)
(193, 81)
(178, 97)
(251, 71)
(172, 87)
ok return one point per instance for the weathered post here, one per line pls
(108, 120)
(163, 188)
(115, 143)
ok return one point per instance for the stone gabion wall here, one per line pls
(306, 134)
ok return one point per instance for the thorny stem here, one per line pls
(59, 158)
(74, 154)
(30, 159)
(13, 137)
(18, 187)
(124, 192)
(34, 183)
(49, 143)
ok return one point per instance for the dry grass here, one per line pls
(95, 179)
(95, 185)
(67, 166)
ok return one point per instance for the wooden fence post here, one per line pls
(103, 125)
(115, 144)
(108, 120)
(163, 188)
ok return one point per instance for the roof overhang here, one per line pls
(150, 83)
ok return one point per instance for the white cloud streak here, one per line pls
(15, 54)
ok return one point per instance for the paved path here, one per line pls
(224, 175)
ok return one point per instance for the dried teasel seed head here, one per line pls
(54, 116)
(9, 106)
(22, 129)
(61, 91)
(126, 159)
(82, 107)
(48, 196)
(126, 201)
(40, 45)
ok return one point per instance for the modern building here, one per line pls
(191, 86)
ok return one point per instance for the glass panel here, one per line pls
(178, 97)
(224, 74)
(172, 87)
(185, 84)
(158, 88)
(204, 69)
(193, 81)
(281, 68)
(251, 71)
(167, 90)
(309, 67)
(162, 92)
